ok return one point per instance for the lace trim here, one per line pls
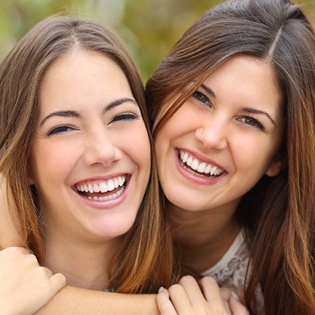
(230, 270)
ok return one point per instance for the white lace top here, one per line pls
(230, 271)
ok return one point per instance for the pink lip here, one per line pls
(103, 204)
(192, 176)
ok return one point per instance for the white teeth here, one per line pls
(208, 169)
(103, 187)
(109, 197)
(214, 171)
(96, 188)
(111, 185)
(189, 161)
(121, 181)
(194, 165)
(200, 167)
(184, 156)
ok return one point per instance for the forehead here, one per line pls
(81, 76)
(246, 80)
(80, 59)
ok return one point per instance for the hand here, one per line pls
(25, 286)
(190, 298)
(234, 299)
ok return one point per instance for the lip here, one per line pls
(194, 176)
(110, 198)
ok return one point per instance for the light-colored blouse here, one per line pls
(230, 270)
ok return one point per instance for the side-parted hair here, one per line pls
(144, 260)
(278, 214)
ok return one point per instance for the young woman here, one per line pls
(232, 110)
(234, 137)
(75, 152)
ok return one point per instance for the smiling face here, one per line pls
(223, 139)
(90, 155)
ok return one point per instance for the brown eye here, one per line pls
(124, 117)
(202, 98)
(60, 129)
(251, 121)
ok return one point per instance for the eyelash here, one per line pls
(59, 129)
(124, 117)
(200, 97)
(121, 117)
(251, 121)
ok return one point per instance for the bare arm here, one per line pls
(73, 300)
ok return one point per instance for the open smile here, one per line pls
(197, 167)
(102, 190)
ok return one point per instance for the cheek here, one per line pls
(185, 120)
(169, 131)
(136, 146)
(254, 155)
(52, 161)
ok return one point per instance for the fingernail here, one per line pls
(161, 289)
(235, 296)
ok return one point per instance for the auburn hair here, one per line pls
(278, 214)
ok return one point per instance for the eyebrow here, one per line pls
(208, 90)
(247, 110)
(260, 112)
(75, 114)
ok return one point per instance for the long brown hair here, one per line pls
(144, 260)
(278, 214)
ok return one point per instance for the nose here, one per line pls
(213, 133)
(101, 148)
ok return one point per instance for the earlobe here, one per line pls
(274, 169)
(30, 179)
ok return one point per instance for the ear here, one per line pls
(274, 168)
(30, 178)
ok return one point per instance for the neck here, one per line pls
(84, 265)
(204, 236)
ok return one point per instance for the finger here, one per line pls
(193, 291)
(237, 308)
(211, 289)
(15, 251)
(58, 281)
(47, 271)
(31, 259)
(225, 293)
(212, 293)
(180, 299)
(164, 304)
